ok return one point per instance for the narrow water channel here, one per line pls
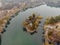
(15, 35)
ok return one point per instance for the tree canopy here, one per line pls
(52, 20)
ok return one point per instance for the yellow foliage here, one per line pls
(25, 23)
(39, 17)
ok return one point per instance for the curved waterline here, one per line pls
(14, 37)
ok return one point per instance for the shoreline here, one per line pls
(7, 21)
(50, 28)
(31, 24)
(9, 15)
(14, 12)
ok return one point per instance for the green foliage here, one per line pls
(47, 22)
(57, 18)
(52, 20)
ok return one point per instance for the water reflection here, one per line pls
(24, 29)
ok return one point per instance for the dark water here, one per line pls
(15, 35)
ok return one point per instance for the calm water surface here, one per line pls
(15, 35)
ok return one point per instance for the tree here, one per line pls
(52, 20)
(57, 18)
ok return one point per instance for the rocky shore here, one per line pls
(6, 16)
(52, 31)
(31, 24)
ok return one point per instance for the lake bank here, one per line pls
(52, 30)
(15, 34)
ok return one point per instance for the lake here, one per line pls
(15, 35)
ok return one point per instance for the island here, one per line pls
(52, 30)
(32, 22)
